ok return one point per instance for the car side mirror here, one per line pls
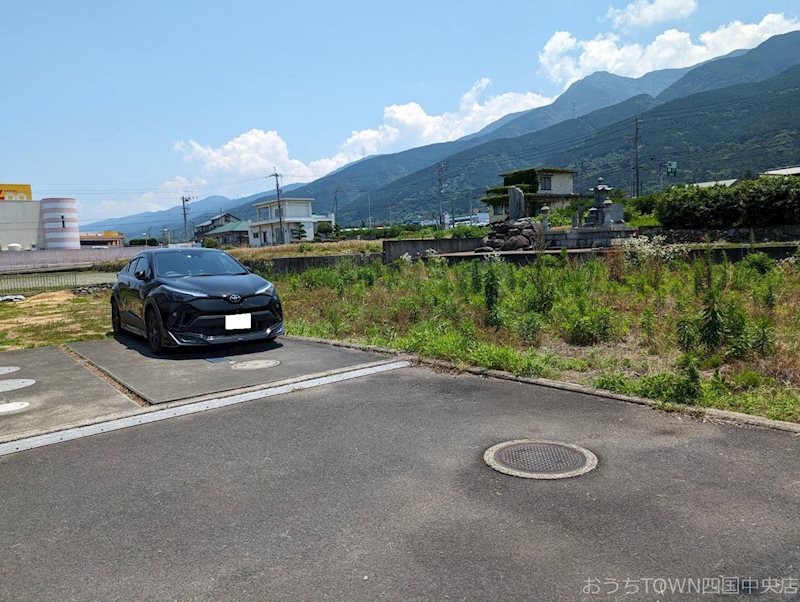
(140, 274)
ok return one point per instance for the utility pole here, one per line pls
(441, 169)
(276, 175)
(637, 182)
(336, 205)
(184, 201)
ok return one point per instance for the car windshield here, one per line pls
(193, 263)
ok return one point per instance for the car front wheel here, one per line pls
(116, 321)
(154, 334)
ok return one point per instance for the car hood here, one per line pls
(218, 286)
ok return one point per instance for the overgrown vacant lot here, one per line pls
(641, 321)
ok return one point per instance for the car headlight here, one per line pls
(181, 295)
(267, 289)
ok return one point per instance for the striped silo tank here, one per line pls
(60, 221)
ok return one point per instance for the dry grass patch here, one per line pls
(53, 319)
(343, 247)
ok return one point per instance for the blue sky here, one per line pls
(124, 104)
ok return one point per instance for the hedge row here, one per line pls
(766, 201)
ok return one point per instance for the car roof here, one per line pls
(147, 252)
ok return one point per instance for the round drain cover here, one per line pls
(8, 369)
(540, 459)
(15, 406)
(254, 364)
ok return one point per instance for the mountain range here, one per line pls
(588, 128)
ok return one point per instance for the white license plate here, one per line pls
(239, 322)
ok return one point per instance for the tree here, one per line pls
(324, 230)
(299, 233)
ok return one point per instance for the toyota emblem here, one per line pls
(235, 299)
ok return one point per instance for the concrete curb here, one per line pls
(735, 418)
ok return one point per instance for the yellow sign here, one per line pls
(15, 192)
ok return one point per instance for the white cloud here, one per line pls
(168, 195)
(642, 13)
(404, 126)
(565, 59)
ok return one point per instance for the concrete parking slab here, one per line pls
(188, 373)
(50, 390)
(376, 489)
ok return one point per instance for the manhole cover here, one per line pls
(540, 459)
(254, 364)
(8, 369)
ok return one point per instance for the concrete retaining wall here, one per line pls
(395, 249)
(31, 261)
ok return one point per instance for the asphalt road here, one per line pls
(375, 489)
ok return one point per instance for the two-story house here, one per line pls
(200, 230)
(278, 222)
(556, 188)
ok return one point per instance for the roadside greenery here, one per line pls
(641, 320)
(766, 201)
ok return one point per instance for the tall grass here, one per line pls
(681, 336)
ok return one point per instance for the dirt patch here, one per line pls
(55, 297)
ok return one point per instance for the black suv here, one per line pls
(177, 297)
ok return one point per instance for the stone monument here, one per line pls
(516, 203)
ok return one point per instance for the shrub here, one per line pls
(595, 325)
(760, 262)
(491, 294)
(712, 322)
(687, 333)
(754, 203)
(210, 243)
(529, 327)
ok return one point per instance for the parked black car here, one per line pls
(177, 297)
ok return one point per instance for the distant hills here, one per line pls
(766, 60)
(719, 119)
(371, 174)
(719, 134)
(133, 226)
(469, 172)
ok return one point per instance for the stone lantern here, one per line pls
(545, 211)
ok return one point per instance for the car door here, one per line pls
(142, 275)
(124, 291)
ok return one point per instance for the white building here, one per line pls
(556, 190)
(277, 221)
(31, 225)
(556, 181)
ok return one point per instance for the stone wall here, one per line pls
(525, 234)
(743, 235)
(416, 247)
